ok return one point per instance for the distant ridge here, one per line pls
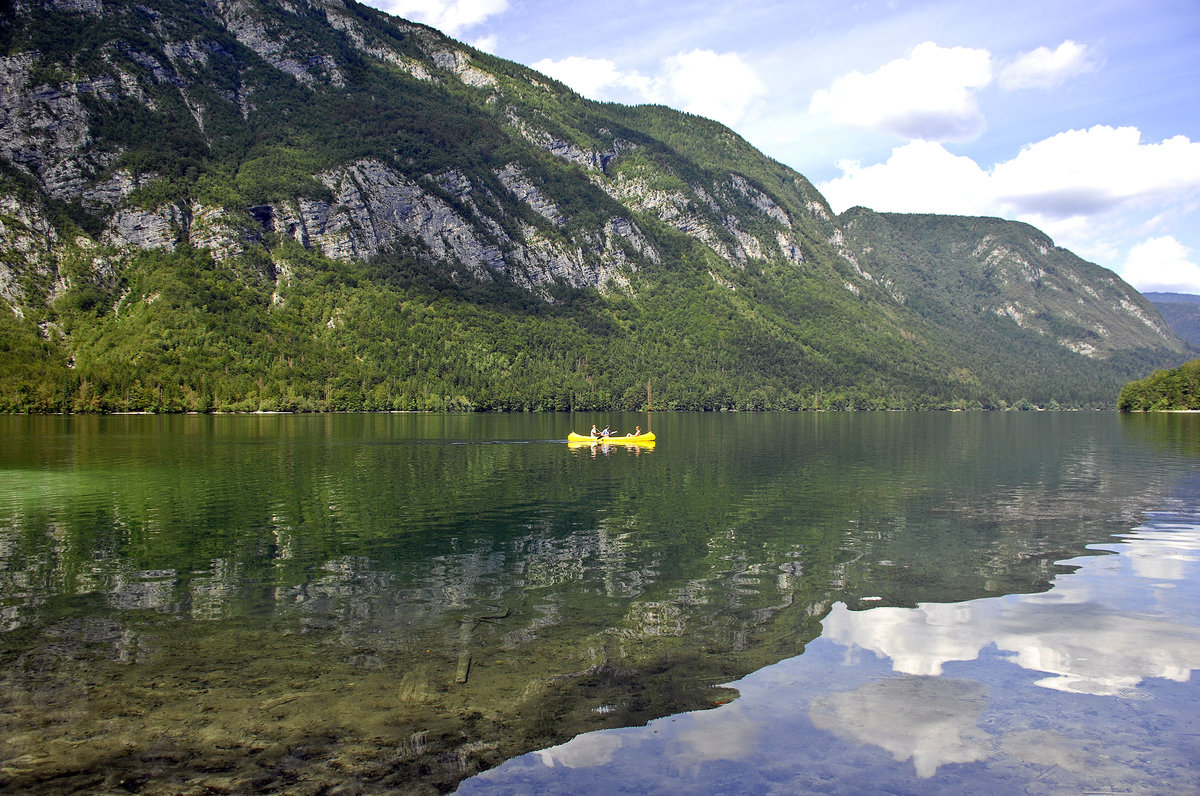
(1181, 311)
(1173, 298)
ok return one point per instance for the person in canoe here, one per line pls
(637, 432)
(607, 432)
(595, 433)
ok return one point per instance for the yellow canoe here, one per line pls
(584, 438)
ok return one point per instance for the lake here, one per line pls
(757, 603)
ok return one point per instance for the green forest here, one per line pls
(192, 335)
(1164, 390)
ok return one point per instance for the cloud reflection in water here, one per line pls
(1088, 705)
(1103, 630)
(931, 721)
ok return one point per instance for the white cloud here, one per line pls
(596, 78)
(488, 44)
(719, 86)
(1162, 264)
(930, 95)
(1082, 172)
(1046, 68)
(919, 177)
(452, 17)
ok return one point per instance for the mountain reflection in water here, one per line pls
(1084, 688)
(393, 603)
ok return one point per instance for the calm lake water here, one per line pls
(762, 603)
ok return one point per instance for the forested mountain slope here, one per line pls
(308, 204)
(983, 276)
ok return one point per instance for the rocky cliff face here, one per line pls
(46, 133)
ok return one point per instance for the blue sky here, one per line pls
(1080, 117)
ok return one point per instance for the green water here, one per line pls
(391, 603)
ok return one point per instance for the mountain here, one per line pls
(1181, 311)
(311, 205)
